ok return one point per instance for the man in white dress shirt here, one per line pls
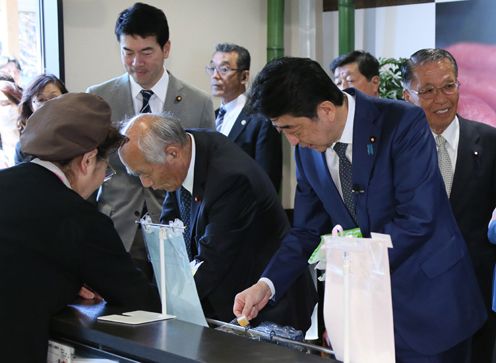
(467, 160)
(143, 34)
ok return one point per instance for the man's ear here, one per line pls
(87, 161)
(407, 96)
(326, 110)
(245, 76)
(171, 151)
(376, 80)
(166, 49)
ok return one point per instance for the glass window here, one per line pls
(29, 38)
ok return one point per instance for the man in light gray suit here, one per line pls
(143, 34)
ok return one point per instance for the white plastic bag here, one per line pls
(358, 310)
(181, 297)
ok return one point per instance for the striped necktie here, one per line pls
(220, 119)
(146, 94)
(185, 211)
(345, 177)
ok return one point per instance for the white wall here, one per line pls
(196, 26)
(92, 52)
(392, 31)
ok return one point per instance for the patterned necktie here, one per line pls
(146, 94)
(345, 177)
(444, 162)
(220, 119)
(185, 210)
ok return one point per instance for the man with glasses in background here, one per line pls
(229, 71)
(467, 160)
(143, 35)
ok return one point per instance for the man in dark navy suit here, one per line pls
(229, 71)
(370, 163)
(430, 80)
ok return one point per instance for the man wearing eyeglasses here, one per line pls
(229, 71)
(467, 160)
(143, 35)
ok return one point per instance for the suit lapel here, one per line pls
(122, 93)
(467, 159)
(366, 138)
(174, 94)
(329, 191)
(239, 125)
(201, 162)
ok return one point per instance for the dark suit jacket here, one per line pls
(399, 191)
(255, 134)
(473, 198)
(51, 242)
(237, 224)
(123, 197)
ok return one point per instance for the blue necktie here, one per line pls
(185, 210)
(146, 94)
(345, 177)
(220, 119)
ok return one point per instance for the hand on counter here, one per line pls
(88, 294)
(250, 301)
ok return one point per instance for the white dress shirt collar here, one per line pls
(159, 93)
(233, 109)
(190, 177)
(452, 132)
(347, 135)
(452, 136)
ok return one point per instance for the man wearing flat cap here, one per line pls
(52, 241)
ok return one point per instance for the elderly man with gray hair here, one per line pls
(234, 220)
(466, 153)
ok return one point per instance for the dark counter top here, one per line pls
(169, 340)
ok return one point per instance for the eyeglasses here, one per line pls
(41, 101)
(222, 70)
(38, 101)
(429, 93)
(109, 172)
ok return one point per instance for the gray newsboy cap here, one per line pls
(67, 126)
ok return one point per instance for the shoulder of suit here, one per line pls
(122, 80)
(184, 89)
(477, 124)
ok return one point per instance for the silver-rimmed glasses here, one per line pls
(429, 92)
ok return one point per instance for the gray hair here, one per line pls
(165, 130)
(244, 59)
(421, 57)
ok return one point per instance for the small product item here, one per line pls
(242, 321)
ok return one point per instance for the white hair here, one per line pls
(165, 130)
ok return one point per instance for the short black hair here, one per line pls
(292, 86)
(421, 57)
(368, 65)
(143, 20)
(244, 58)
